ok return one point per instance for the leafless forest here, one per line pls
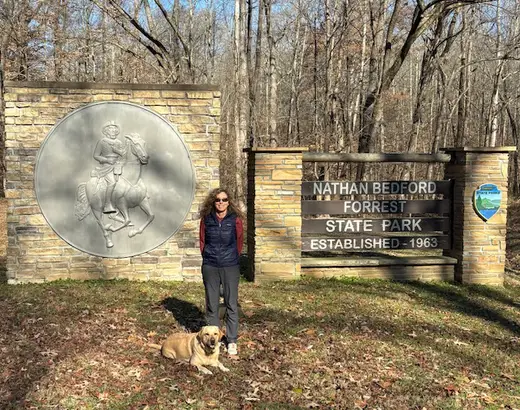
(332, 75)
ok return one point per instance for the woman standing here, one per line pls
(221, 237)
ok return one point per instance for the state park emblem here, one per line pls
(486, 200)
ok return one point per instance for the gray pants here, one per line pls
(229, 278)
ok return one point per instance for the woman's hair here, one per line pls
(209, 204)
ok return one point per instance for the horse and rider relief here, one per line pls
(115, 185)
(115, 179)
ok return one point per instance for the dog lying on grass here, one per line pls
(199, 349)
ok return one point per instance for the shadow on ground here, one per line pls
(437, 295)
(185, 313)
(3, 270)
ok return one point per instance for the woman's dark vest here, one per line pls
(220, 242)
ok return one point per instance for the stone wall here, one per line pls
(35, 253)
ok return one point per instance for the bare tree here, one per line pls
(424, 15)
(328, 74)
(437, 45)
(175, 65)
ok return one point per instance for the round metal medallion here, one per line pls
(114, 179)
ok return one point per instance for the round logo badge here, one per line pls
(114, 179)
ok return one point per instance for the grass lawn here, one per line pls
(305, 344)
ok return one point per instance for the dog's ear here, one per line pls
(221, 333)
(199, 335)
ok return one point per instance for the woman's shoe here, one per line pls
(232, 349)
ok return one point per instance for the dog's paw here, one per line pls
(205, 371)
(223, 368)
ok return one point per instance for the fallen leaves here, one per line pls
(451, 389)
(313, 356)
(384, 384)
(360, 404)
(103, 396)
(509, 376)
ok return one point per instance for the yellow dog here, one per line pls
(200, 349)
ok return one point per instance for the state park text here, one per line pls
(420, 215)
(332, 225)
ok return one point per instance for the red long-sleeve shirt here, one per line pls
(239, 229)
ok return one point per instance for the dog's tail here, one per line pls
(155, 346)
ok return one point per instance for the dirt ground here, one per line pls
(3, 231)
(3, 237)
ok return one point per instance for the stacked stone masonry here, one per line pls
(274, 213)
(478, 245)
(35, 252)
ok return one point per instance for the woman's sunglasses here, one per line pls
(221, 200)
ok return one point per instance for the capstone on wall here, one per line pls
(35, 252)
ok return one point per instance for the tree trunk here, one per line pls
(296, 72)
(255, 75)
(241, 108)
(272, 81)
(494, 110)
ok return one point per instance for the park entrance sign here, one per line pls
(353, 231)
(356, 228)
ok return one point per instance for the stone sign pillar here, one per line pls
(479, 226)
(274, 213)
